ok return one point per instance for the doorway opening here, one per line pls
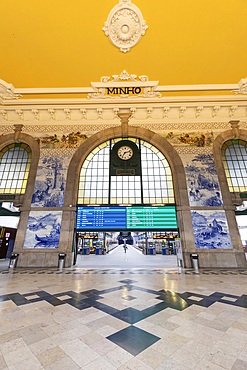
(126, 249)
(9, 219)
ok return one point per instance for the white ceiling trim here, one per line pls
(97, 93)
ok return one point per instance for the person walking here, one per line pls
(125, 246)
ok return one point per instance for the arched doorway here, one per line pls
(19, 155)
(126, 195)
(161, 145)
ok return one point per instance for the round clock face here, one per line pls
(125, 152)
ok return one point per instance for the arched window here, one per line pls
(15, 160)
(234, 155)
(153, 186)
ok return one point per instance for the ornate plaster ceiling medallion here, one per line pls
(125, 25)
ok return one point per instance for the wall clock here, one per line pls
(125, 159)
(125, 152)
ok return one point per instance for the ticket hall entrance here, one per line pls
(140, 230)
(149, 243)
(126, 197)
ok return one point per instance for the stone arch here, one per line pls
(230, 201)
(24, 201)
(179, 179)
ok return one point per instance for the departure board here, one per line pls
(151, 217)
(121, 218)
(101, 218)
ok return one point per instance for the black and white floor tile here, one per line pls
(123, 319)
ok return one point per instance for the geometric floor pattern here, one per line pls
(164, 319)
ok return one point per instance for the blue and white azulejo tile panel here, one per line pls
(50, 181)
(202, 180)
(43, 229)
(211, 230)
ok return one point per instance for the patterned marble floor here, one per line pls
(123, 319)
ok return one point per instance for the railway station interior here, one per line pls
(123, 185)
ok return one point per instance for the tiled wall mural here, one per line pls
(195, 138)
(43, 229)
(194, 146)
(62, 140)
(211, 230)
(202, 180)
(50, 181)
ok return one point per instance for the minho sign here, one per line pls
(124, 85)
(123, 90)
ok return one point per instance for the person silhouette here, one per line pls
(125, 246)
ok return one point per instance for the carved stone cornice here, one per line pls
(125, 25)
(107, 111)
(242, 87)
(7, 91)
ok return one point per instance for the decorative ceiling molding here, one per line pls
(242, 87)
(7, 91)
(125, 25)
(155, 113)
(151, 91)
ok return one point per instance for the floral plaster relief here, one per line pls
(125, 25)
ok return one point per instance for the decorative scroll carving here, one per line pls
(20, 114)
(133, 112)
(198, 111)
(7, 91)
(181, 111)
(17, 128)
(124, 81)
(4, 114)
(100, 113)
(52, 113)
(115, 110)
(83, 113)
(215, 110)
(125, 25)
(36, 113)
(149, 112)
(232, 110)
(166, 110)
(67, 113)
(235, 128)
(242, 89)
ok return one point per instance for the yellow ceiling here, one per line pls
(54, 43)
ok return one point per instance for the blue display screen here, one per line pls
(136, 217)
(101, 218)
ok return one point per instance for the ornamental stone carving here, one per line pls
(7, 91)
(125, 25)
(242, 87)
(123, 85)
